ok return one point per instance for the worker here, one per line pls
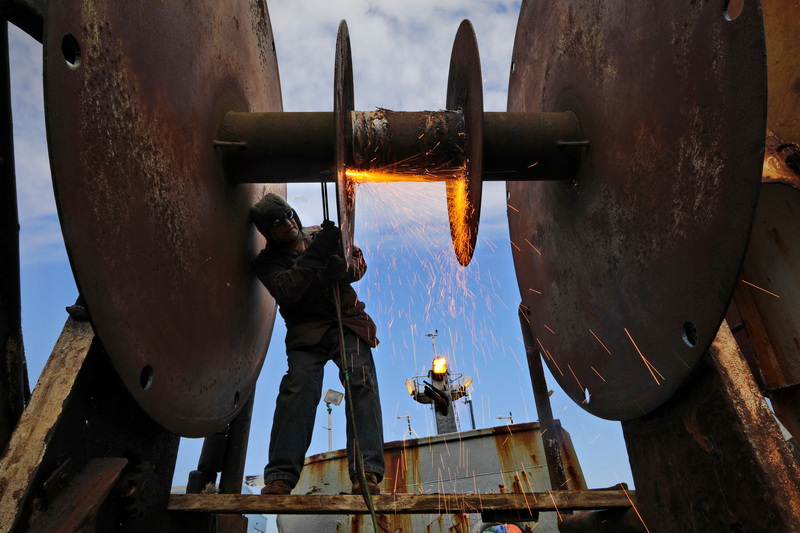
(302, 269)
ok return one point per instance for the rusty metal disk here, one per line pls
(159, 242)
(627, 271)
(343, 107)
(465, 94)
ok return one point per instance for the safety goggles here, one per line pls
(288, 216)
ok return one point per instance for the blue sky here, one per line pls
(401, 54)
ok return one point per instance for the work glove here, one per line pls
(324, 245)
(336, 270)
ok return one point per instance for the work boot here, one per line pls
(372, 484)
(277, 486)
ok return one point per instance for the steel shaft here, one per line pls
(282, 147)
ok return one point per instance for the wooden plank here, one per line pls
(401, 503)
(30, 439)
(76, 508)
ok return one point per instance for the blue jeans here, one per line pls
(299, 395)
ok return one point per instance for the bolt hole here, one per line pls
(236, 400)
(586, 396)
(732, 9)
(513, 67)
(146, 377)
(71, 50)
(689, 334)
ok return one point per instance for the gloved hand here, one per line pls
(324, 245)
(335, 270)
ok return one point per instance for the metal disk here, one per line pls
(626, 272)
(465, 94)
(343, 107)
(160, 243)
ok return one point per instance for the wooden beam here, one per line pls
(713, 458)
(30, 441)
(402, 503)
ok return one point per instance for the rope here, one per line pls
(359, 459)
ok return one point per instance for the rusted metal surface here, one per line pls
(624, 269)
(713, 458)
(495, 460)
(781, 162)
(426, 145)
(160, 244)
(605, 521)
(278, 147)
(782, 26)
(298, 147)
(768, 296)
(343, 107)
(530, 146)
(465, 94)
(14, 390)
(230, 481)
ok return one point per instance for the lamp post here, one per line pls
(332, 397)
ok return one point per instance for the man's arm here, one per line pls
(357, 267)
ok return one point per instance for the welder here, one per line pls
(303, 270)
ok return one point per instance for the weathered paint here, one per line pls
(483, 461)
(160, 243)
(631, 254)
(781, 25)
(767, 299)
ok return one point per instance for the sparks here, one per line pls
(649, 365)
(601, 342)
(532, 246)
(760, 288)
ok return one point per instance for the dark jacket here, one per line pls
(306, 304)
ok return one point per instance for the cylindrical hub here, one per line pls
(407, 146)
(283, 147)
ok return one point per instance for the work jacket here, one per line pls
(306, 304)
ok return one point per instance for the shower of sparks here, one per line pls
(649, 365)
(548, 329)
(601, 343)
(512, 208)
(534, 290)
(760, 288)
(415, 278)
